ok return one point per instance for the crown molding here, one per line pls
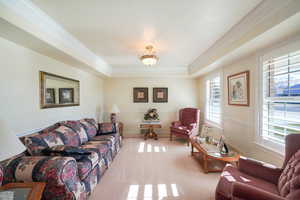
(31, 19)
(151, 71)
(266, 15)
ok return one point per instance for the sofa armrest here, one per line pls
(241, 191)
(259, 169)
(176, 124)
(1, 175)
(59, 173)
(108, 128)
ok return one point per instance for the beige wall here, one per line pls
(182, 93)
(19, 86)
(239, 125)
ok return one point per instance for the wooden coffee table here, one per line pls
(211, 160)
(25, 191)
(150, 126)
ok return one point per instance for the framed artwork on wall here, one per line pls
(66, 95)
(50, 96)
(160, 95)
(58, 91)
(140, 95)
(238, 89)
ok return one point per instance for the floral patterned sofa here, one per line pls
(65, 177)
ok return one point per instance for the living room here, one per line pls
(138, 100)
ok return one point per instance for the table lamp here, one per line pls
(113, 116)
(10, 145)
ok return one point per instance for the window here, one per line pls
(280, 106)
(213, 100)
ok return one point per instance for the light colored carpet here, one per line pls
(155, 170)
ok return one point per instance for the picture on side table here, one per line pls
(66, 95)
(160, 95)
(140, 95)
(238, 89)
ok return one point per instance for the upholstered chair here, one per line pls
(188, 124)
(253, 179)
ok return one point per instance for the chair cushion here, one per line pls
(181, 129)
(289, 181)
(90, 126)
(231, 174)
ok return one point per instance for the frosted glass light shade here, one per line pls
(114, 109)
(10, 145)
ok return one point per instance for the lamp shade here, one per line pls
(114, 109)
(10, 145)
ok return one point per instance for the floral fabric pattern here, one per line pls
(1, 175)
(66, 178)
(78, 128)
(106, 128)
(90, 126)
(68, 135)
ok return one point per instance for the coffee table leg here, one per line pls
(205, 164)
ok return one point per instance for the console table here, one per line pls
(150, 126)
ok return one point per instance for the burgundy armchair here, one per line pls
(255, 180)
(188, 124)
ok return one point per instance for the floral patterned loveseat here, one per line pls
(65, 177)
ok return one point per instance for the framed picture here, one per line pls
(58, 91)
(66, 95)
(238, 89)
(140, 95)
(160, 95)
(50, 96)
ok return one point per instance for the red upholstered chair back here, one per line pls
(188, 116)
(292, 145)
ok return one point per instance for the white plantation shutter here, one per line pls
(281, 97)
(213, 100)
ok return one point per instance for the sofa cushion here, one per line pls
(231, 174)
(103, 150)
(68, 135)
(90, 126)
(35, 143)
(289, 181)
(77, 127)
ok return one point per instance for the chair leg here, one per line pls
(188, 143)
(171, 137)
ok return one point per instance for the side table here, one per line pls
(23, 191)
(150, 126)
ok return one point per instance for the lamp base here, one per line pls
(113, 117)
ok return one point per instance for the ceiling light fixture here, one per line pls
(149, 58)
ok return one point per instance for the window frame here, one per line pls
(207, 103)
(268, 144)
